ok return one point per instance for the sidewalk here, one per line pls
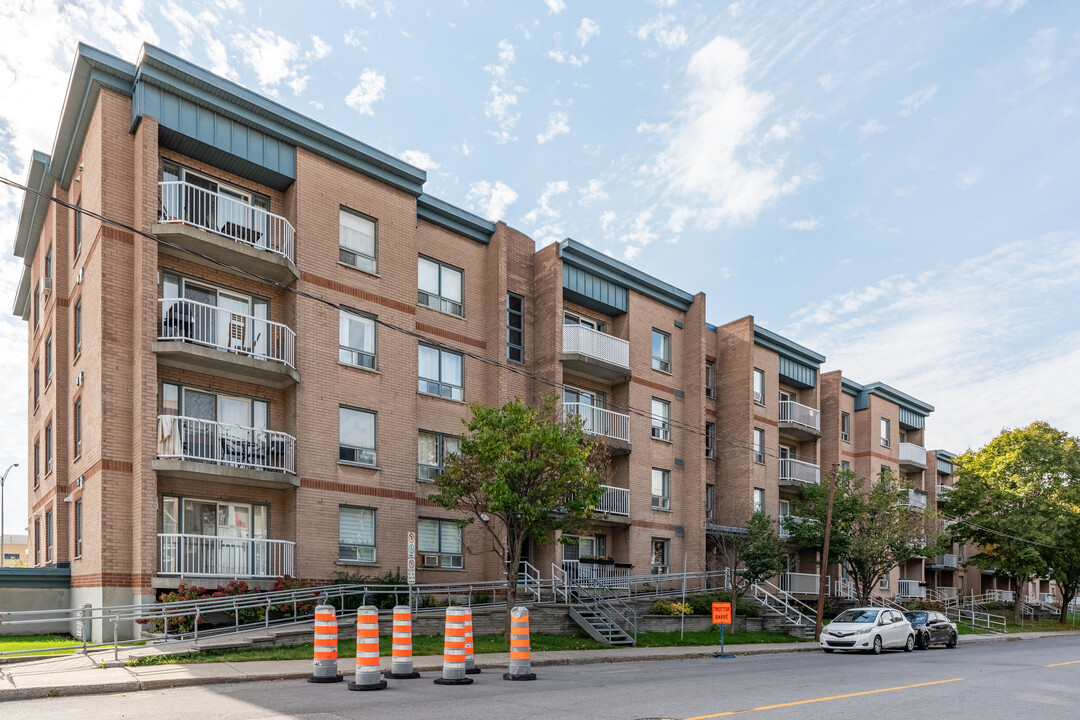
(83, 675)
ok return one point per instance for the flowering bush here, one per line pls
(666, 607)
(185, 623)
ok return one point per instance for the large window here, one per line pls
(441, 373)
(759, 445)
(661, 489)
(37, 542)
(207, 202)
(432, 451)
(356, 339)
(48, 536)
(356, 534)
(78, 226)
(515, 328)
(357, 240)
(77, 330)
(356, 436)
(661, 419)
(845, 466)
(586, 547)
(48, 448)
(845, 427)
(885, 441)
(76, 424)
(78, 528)
(759, 386)
(710, 440)
(37, 461)
(189, 526)
(661, 351)
(661, 549)
(710, 500)
(710, 379)
(48, 262)
(759, 500)
(439, 543)
(440, 286)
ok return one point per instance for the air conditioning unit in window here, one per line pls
(46, 286)
(431, 561)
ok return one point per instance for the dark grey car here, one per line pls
(932, 628)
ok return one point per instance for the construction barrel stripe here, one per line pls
(325, 645)
(519, 646)
(367, 650)
(454, 649)
(401, 667)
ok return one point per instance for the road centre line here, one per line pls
(817, 700)
(1071, 662)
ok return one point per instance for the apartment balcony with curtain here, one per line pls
(209, 339)
(611, 427)
(226, 228)
(218, 452)
(796, 473)
(912, 457)
(594, 354)
(238, 558)
(798, 421)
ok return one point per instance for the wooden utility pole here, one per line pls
(824, 573)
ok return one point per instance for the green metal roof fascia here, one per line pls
(710, 327)
(850, 387)
(945, 454)
(586, 258)
(198, 85)
(780, 344)
(902, 399)
(34, 207)
(455, 219)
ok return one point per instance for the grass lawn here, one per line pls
(1027, 626)
(432, 645)
(10, 643)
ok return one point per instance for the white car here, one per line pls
(870, 629)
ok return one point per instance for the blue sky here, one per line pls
(892, 184)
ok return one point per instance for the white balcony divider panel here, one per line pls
(912, 453)
(915, 499)
(948, 561)
(800, 583)
(185, 204)
(798, 414)
(1047, 598)
(615, 501)
(910, 589)
(791, 469)
(595, 344)
(1000, 596)
(231, 557)
(215, 327)
(186, 438)
(600, 421)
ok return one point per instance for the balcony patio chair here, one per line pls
(179, 321)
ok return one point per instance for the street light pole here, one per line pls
(3, 478)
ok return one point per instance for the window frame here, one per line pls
(37, 461)
(78, 228)
(886, 432)
(358, 546)
(510, 317)
(710, 500)
(661, 363)
(440, 453)
(710, 440)
(759, 445)
(357, 316)
(37, 383)
(76, 324)
(661, 431)
(374, 257)
(845, 426)
(48, 263)
(759, 395)
(442, 299)
(439, 383)
(359, 450)
(759, 500)
(710, 379)
(48, 359)
(77, 519)
(37, 543)
(663, 567)
(663, 501)
(446, 559)
(49, 449)
(50, 531)
(76, 426)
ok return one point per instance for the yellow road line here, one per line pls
(1071, 662)
(817, 700)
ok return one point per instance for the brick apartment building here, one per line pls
(191, 417)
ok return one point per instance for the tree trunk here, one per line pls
(1018, 599)
(514, 546)
(1068, 593)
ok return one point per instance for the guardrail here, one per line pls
(615, 501)
(792, 470)
(799, 414)
(595, 344)
(600, 421)
(188, 438)
(222, 329)
(224, 557)
(913, 454)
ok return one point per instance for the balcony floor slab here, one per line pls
(226, 474)
(594, 368)
(225, 250)
(797, 431)
(234, 366)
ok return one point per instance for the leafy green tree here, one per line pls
(523, 473)
(754, 556)
(872, 532)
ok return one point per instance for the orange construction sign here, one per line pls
(721, 613)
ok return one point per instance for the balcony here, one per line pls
(224, 557)
(594, 572)
(785, 532)
(943, 493)
(912, 457)
(206, 450)
(800, 583)
(225, 229)
(796, 473)
(611, 427)
(943, 562)
(943, 594)
(616, 504)
(910, 589)
(204, 338)
(799, 421)
(915, 499)
(594, 354)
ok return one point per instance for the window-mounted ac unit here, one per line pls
(431, 561)
(46, 286)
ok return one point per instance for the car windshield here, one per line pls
(856, 616)
(916, 617)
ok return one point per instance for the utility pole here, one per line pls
(824, 572)
(3, 478)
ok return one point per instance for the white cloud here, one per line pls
(555, 6)
(607, 218)
(372, 7)
(543, 207)
(587, 30)
(558, 124)
(653, 128)
(465, 149)
(271, 57)
(502, 96)
(870, 128)
(561, 56)
(491, 199)
(319, 49)
(420, 159)
(665, 31)
(638, 234)
(968, 178)
(354, 38)
(917, 99)
(808, 224)
(903, 192)
(828, 81)
(592, 192)
(1042, 65)
(370, 88)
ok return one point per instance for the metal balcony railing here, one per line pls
(798, 414)
(595, 344)
(185, 204)
(224, 557)
(915, 499)
(911, 453)
(202, 324)
(785, 524)
(187, 438)
(616, 501)
(588, 571)
(599, 421)
(792, 470)
(943, 491)
(800, 583)
(910, 589)
(946, 561)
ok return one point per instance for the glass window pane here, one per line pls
(450, 535)
(451, 445)
(357, 428)
(428, 276)
(428, 449)
(357, 234)
(427, 535)
(451, 284)
(356, 526)
(429, 362)
(170, 515)
(451, 368)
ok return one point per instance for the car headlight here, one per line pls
(865, 631)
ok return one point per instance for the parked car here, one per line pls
(932, 628)
(870, 629)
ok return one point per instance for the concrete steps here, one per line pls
(599, 626)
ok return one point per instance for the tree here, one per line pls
(524, 473)
(872, 532)
(753, 556)
(1017, 499)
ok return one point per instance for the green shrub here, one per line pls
(381, 600)
(667, 607)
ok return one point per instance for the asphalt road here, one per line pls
(1037, 679)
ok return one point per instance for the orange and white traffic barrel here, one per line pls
(367, 650)
(326, 641)
(453, 672)
(519, 646)
(401, 664)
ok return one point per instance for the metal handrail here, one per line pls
(599, 421)
(220, 328)
(799, 414)
(235, 445)
(596, 344)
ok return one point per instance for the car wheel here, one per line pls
(829, 650)
(952, 641)
(876, 650)
(910, 644)
(924, 641)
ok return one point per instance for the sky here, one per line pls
(892, 184)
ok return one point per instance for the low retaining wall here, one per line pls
(34, 589)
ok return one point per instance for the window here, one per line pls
(759, 386)
(710, 440)
(759, 445)
(78, 226)
(515, 328)
(48, 262)
(884, 432)
(710, 379)
(356, 436)
(37, 461)
(37, 305)
(37, 383)
(439, 543)
(661, 489)
(48, 359)
(432, 450)
(845, 465)
(661, 419)
(356, 240)
(570, 318)
(660, 551)
(356, 534)
(77, 427)
(845, 427)
(661, 351)
(710, 500)
(884, 470)
(78, 528)
(883, 583)
(440, 286)
(586, 547)
(48, 448)
(77, 331)
(441, 373)
(48, 536)
(356, 339)
(37, 542)
(759, 500)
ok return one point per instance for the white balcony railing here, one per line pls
(946, 561)
(792, 470)
(942, 594)
(595, 344)
(943, 491)
(1000, 596)
(599, 421)
(186, 438)
(910, 589)
(185, 204)
(212, 556)
(800, 583)
(215, 327)
(1047, 598)
(797, 414)
(615, 501)
(915, 499)
(785, 524)
(910, 453)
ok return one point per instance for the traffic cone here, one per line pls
(519, 646)
(326, 632)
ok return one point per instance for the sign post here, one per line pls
(410, 566)
(721, 615)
